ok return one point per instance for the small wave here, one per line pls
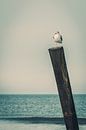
(41, 120)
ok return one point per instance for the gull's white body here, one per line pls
(57, 39)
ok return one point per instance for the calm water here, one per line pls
(36, 106)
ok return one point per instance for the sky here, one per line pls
(26, 30)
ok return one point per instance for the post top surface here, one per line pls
(55, 48)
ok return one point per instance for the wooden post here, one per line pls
(64, 88)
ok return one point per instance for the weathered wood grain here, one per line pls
(64, 88)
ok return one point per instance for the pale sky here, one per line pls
(26, 30)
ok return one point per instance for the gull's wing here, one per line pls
(61, 37)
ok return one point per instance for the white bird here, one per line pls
(57, 37)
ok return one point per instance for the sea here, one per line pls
(37, 112)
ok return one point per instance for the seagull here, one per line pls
(57, 37)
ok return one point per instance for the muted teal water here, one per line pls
(37, 106)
